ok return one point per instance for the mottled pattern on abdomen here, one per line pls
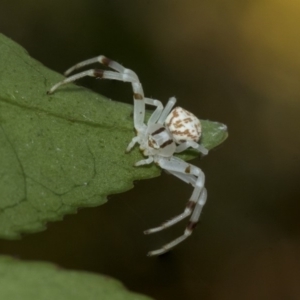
(183, 125)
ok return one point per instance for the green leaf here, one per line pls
(63, 151)
(44, 281)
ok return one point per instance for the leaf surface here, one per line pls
(22, 280)
(63, 151)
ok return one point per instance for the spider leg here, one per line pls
(182, 147)
(167, 110)
(189, 229)
(156, 114)
(146, 161)
(104, 61)
(194, 176)
(138, 93)
(190, 179)
(119, 68)
(101, 74)
(132, 143)
(152, 120)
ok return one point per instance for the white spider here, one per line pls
(167, 131)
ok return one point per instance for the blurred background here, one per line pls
(236, 62)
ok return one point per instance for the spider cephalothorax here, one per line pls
(168, 130)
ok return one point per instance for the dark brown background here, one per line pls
(237, 62)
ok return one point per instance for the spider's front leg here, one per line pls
(104, 61)
(122, 74)
(194, 176)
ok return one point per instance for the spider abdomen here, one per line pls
(183, 125)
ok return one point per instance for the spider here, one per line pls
(168, 130)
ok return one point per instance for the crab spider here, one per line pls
(169, 130)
